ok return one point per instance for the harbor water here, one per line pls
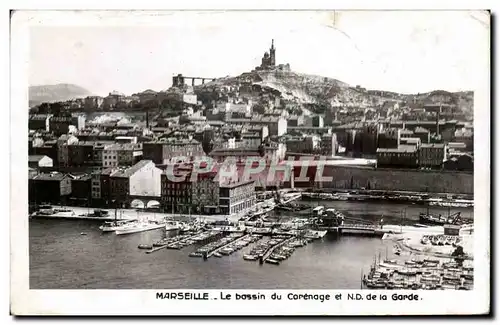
(75, 254)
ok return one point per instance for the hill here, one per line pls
(55, 93)
(323, 91)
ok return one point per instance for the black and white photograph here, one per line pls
(298, 152)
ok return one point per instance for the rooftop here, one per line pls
(238, 151)
(255, 119)
(124, 146)
(125, 173)
(49, 177)
(420, 129)
(39, 116)
(432, 145)
(400, 149)
(61, 119)
(107, 171)
(36, 158)
(235, 184)
(406, 131)
(83, 178)
(305, 127)
(174, 141)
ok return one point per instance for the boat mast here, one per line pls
(404, 217)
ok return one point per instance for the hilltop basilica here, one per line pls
(269, 60)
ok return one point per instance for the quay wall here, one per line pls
(343, 177)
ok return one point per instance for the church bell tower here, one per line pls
(272, 53)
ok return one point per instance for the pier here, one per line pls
(182, 238)
(273, 248)
(209, 254)
(209, 249)
(365, 229)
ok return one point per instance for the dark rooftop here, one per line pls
(401, 149)
(36, 158)
(432, 145)
(235, 184)
(49, 177)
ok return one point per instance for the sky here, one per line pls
(402, 51)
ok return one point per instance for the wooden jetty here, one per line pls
(226, 245)
(273, 248)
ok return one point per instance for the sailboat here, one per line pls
(110, 226)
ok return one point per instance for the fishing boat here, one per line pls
(315, 234)
(172, 225)
(431, 219)
(272, 261)
(405, 271)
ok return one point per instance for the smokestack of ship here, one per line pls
(147, 119)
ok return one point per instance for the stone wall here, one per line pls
(390, 180)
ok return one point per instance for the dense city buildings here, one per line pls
(117, 158)
(236, 196)
(39, 161)
(164, 150)
(432, 155)
(50, 187)
(405, 156)
(141, 180)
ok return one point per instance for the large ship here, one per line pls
(110, 226)
(427, 218)
(139, 226)
(432, 219)
(315, 234)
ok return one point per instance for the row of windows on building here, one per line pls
(179, 199)
(241, 206)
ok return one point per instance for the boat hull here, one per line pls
(425, 220)
(126, 231)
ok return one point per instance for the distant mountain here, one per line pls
(55, 93)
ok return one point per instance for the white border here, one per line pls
(25, 301)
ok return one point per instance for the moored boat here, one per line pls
(172, 225)
(272, 261)
(136, 227)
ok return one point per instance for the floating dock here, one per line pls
(228, 244)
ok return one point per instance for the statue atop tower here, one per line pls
(272, 53)
(269, 58)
